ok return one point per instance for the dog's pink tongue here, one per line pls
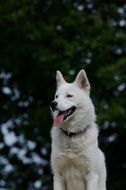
(58, 120)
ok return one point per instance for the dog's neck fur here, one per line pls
(73, 134)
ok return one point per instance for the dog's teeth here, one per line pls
(69, 112)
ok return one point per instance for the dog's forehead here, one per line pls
(67, 88)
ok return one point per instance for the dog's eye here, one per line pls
(56, 96)
(69, 95)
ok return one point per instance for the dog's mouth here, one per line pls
(61, 116)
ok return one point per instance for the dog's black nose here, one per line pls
(53, 105)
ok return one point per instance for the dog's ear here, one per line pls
(82, 81)
(59, 78)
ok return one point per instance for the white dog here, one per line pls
(77, 162)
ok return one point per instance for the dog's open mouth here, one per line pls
(63, 115)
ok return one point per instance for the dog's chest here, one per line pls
(72, 156)
(70, 160)
(72, 144)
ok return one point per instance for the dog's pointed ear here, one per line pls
(82, 81)
(59, 78)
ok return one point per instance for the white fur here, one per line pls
(77, 162)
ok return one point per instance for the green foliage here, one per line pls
(37, 38)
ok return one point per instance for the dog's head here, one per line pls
(72, 101)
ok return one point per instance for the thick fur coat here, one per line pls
(76, 160)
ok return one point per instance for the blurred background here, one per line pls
(38, 37)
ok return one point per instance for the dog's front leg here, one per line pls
(59, 183)
(92, 182)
